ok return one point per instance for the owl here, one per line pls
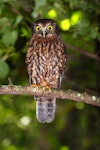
(46, 61)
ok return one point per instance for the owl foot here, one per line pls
(37, 86)
(47, 88)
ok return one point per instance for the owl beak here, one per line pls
(44, 34)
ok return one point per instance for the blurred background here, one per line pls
(76, 125)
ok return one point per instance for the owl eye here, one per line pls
(38, 28)
(50, 28)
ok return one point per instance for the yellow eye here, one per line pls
(50, 28)
(38, 28)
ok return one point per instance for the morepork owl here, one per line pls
(46, 60)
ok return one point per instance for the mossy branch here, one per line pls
(67, 94)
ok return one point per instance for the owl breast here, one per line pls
(46, 61)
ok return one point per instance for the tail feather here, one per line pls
(45, 109)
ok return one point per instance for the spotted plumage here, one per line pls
(45, 61)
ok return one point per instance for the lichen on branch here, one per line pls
(67, 94)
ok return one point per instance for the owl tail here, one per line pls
(45, 109)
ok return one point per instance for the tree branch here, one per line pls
(68, 94)
(84, 52)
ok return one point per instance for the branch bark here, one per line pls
(68, 94)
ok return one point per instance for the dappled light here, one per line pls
(76, 17)
(52, 14)
(65, 24)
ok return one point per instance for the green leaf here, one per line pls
(39, 4)
(10, 37)
(4, 69)
(4, 21)
(18, 20)
(93, 33)
(25, 32)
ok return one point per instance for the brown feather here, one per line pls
(46, 60)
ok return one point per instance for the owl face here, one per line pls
(45, 28)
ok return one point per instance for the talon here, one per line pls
(47, 88)
(35, 86)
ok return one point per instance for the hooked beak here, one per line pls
(44, 34)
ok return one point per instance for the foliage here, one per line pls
(76, 126)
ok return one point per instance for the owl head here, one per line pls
(45, 28)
